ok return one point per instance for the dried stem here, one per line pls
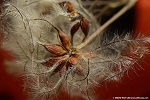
(110, 21)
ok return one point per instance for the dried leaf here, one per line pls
(56, 49)
(84, 26)
(65, 40)
(53, 61)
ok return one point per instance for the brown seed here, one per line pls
(65, 40)
(53, 61)
(61, 67)
(74, 30)
(68, 5)
(84, 26)
(56, 49)
(73, 60)
(79, 70)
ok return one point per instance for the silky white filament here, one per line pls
(29, 25)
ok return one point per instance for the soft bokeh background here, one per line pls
(130, 85)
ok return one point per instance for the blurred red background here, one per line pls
(130, 85)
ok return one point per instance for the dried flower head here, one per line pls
(57, 45)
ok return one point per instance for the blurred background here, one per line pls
(135, 83)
